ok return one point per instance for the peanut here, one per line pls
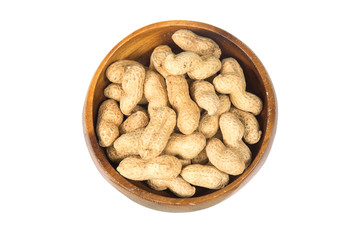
(119, 70)
(109, 119)
(232, 130)
(197, 67)
(201, 158)
(133, 87)
(178, 186)
(209, 124)
(204, 95)
(138, 119)
(128, 144)
(157, 59)
(252, 132)
(155, 91)
(223, 158)
(157, 133)
(114, 91)
(188, 113)
(189, 41)
(162, 167)
(185, 146)
(232, 81)
(204, 176)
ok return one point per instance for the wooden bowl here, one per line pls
(138, 46)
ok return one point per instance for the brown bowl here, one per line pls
(138, 46)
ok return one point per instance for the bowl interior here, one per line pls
(139, 46)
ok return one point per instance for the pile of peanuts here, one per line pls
(185, 123)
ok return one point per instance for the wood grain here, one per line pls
(138, 46)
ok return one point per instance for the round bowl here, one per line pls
(139, 46)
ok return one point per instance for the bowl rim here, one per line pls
(159, 202)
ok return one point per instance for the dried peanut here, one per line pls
(178, 186)
(128, 144)
(204, 95)
(119, 69)
(185, 146)
(157, 59)
(133, 87)
(209, 124)
(157, 133)
(109, 119)
(232, 81)
(114, 91)
(224, 158)
(204, 176)
(188, 113)
(252, 132)
(232, 130)
(189, 41)
(138, 119)
(197, 67)
(155, 91)
(162, 167)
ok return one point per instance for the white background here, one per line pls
(308, 187)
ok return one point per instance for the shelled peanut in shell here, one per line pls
(188, 83)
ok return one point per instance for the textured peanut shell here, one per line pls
(155, 91)
(232, 130)
(252, 132)
(157, 59)
(138, 119)
(107, 133)
(204, 95)
(114, 91)
(185, 146)
(224, 158)
(204, 176)
(157, 133)
(209, 124)
(231, 81)
(197, 67)
(109, 111)
(162, 167)
(201, 158)
(109, 119)
(230, 65)
(188, 113)
(158, 184)
(133, 87)
(128, 144)
(178, 186)
(119, 69)
(189, 41)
